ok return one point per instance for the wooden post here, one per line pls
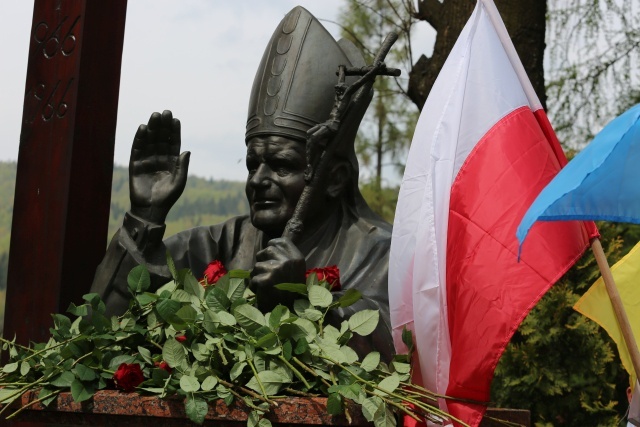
(65, 162)
(616, 302)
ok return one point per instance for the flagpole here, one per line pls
(616, 302)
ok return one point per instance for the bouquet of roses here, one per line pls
(204, 339)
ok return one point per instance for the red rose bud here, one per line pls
(330, 274)
(163, 365)
(214, 271)
(128, 376)
(181, 338)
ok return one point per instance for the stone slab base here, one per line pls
(110, 407)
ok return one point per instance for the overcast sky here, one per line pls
(194, 57)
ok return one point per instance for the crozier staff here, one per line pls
(293, 91)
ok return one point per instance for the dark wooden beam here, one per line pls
(65, 162)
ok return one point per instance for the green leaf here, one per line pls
(167, 309)
(168, 287)
(47, 395)
(84, 373)
(371, 407)
(271, 381)
(10, 367)
(209, 383)
(96, 303)
(334, 404)
(293, 287)
(226, 319)
(196, 409)
(257, 419)
(267, 341)
(389, 384)
(236, 289)
(210, 321)
(350, 391)
(120, 359)
(61, 321)
(364, 322)
(312, 280)
(172, 266)
(370, 362)
(401, 368)
(200, 352)
(189, 383)
(187, 314)
(217, 299)
(350, 356)
(5, 394)
(236, 370)
(181, 295)
(159, 375)
(407, 338)
(81, 391)
(308, 328)
(146, 298)
(64, 380)
(249, 317)
(139, 279)
(100, 322)
(276, 316)
(146, 355)
(333, 353)
(75, 326)
(385, 418)
(80, 310)
(287, 350)
(239, 274)
(24, 368)
(173, 353)
(319, 296)
(192, 286)
(302, 346)
(304, 309)
(350, 297)
(331, 333)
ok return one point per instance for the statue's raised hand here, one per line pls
(157, 170)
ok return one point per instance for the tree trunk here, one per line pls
(524, 19)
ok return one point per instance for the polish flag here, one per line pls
(482, 150)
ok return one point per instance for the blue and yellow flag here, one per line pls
(601, 183)
(596, 305)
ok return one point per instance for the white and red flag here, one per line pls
(482, 150)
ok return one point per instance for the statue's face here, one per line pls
(275, 181)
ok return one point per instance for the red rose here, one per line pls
(181, 338)
(128, 376)
(214, 271)
(163, 365)
(329, 274)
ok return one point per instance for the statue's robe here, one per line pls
(359, 247)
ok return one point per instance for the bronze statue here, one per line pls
(293, 92)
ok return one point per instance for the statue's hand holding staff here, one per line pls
(280, 262)
(157, 170)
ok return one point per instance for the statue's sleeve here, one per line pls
(136, 242)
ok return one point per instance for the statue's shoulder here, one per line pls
(371, 234)
(375, 227)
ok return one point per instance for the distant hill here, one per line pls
(204, 201)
